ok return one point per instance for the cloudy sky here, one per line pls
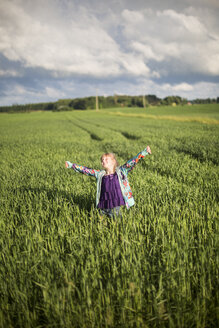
(52, 49)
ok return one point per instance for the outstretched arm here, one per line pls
(130, 164)
(81, 169)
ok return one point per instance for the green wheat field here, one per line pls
(63, 266)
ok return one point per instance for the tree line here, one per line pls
(105, 102)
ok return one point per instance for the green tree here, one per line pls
(78, 104)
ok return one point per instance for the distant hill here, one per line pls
(105, 102)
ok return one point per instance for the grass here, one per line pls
(61, 266)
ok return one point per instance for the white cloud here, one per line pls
(183, 87)
(177, 87)
(70, 39)
(166, 35)
(185, 25)
(76, 44)
(119, 44)
(17, 93)
(135, 67)
(54, 93)
(147, 51)
(135, 17)
(9, 73)
(189, 91)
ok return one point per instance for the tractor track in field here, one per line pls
(92, 135)
(125, 134)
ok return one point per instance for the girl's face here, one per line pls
(108, 162)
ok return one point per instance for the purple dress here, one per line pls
(111, 195)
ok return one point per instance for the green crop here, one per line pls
(63, 266)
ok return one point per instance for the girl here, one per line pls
(113, 189)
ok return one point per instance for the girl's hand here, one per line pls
(66, 165)
(148, 149)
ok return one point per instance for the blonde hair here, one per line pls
(113, 156)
